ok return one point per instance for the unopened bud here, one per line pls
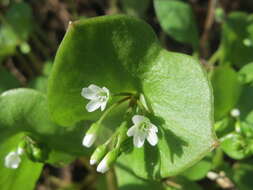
(91, 135)
(107, 161)
(98, 154)
(235, 112)
(37, 152)
(21, 147)
(12, 160)
(247, 42)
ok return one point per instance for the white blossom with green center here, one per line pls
(141, 130)
(98, 97)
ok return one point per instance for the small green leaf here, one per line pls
(224, 126)
(246, 73)
(177, 20)
(199, 170)
(135, 8)
(234, 146)
(19, 17)
(8, 41)
(235, 34)
(226, 89)
(122, 53)
(39, 83)
(24, 177)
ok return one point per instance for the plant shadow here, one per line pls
(152, 153)
(174, 142)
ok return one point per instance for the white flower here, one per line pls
(89, 140)
(141, 130)
(12, 160)
(98, 97)
(235, 112)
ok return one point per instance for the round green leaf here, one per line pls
(234, 146)
(177, 20)
(227, 89)
(123, 54)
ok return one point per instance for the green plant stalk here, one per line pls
(214, 58)
(110, 109)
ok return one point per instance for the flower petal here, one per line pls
(88, 94)
(152, 138)
(93, 105)
(103, 105)
(137, 119)
(131, 131)
(153, 128)
(139, 139)
(106, 91)
(95, 88)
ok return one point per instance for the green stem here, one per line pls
(111, 108)
(214, 58)
(123, 94)
(121, 134)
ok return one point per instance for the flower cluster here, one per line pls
(141, 129)
(35, 151)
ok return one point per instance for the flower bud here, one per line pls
(37, 152)
(107, 161)
(235, 112)
(12, 160)
(21, 147)
(98, 154)
(91, 135)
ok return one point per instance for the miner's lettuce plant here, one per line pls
(167, 95)
(115, 95)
